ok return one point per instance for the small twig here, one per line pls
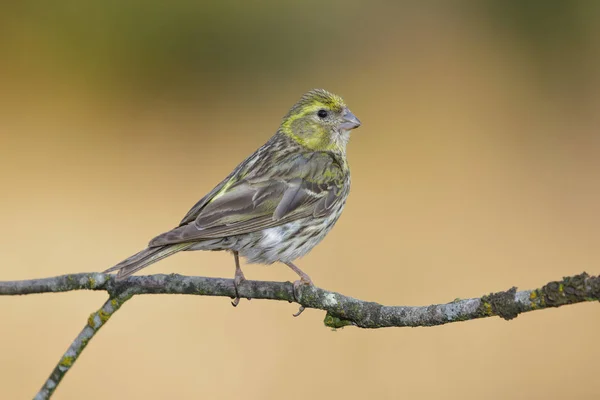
(341, 310)
(95, 321)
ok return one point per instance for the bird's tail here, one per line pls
(146, 257)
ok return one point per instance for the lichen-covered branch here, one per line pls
(95, 321)
(341, 310)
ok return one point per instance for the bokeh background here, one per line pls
(477, 168)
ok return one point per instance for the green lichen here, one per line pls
(553, 295)
(536, 300)
(104, 316)
(67, 361)
(69, 283)
(502, 304)
(336, 322)
(570, 290)
(91, 322)
(355, 308)
(539, 298)
(574, 288)
(307, 295)
(533, 296)
(92, 282)
(281, 294)
(487, 308)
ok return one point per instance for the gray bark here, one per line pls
(341, 310)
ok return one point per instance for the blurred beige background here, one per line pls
(477, 168)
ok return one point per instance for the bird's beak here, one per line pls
(349, 121)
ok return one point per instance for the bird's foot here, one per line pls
(304, 280)
(300, 311)
(237, 281)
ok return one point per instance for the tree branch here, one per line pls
(341, 310)
(95, 321)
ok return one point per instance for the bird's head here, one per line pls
(320, 121)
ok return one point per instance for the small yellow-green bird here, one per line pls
(278, 203)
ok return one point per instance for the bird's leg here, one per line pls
(239, 278)
(304, 280)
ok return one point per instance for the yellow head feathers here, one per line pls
(320, 121)
(317, 98)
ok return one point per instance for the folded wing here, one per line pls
(305, 185)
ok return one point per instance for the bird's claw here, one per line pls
(304, 280)
(300, 311)
(237, 281)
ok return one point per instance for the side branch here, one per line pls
(94, 323)
(341, 310)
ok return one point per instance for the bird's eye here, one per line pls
(322, 113)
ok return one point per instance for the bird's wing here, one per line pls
(195, 210)
(297, 187)
(241, 170)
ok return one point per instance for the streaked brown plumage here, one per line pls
(279, 202)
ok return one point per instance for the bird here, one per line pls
(278, 203)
